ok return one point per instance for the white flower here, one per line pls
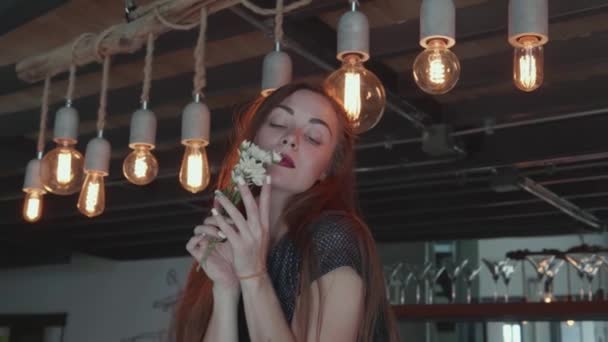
(245, 145)
(252, 162)
(276, 157)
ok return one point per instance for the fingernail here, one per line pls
(220, 234)
(240, 180)
(214, 212)
(267, 179)
(219, 193)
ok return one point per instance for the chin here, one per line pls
(286, 180)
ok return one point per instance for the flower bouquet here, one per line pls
(251, 167)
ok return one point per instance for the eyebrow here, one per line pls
(313, 120)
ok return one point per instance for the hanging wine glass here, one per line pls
(470, 273)
(494, 270)
(393, 283)
(433, 275)
(546, 268)
(589, 266)
(578, 261)
(506, 268)
(453, 269)
(419, 276)
(405, 276)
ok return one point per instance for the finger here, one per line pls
(233, 212)
(193, 244)
(209, 231)
(265, 204)
(251, 208)
(211, 221)
(226, 229)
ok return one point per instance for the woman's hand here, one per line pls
(219, 263)
(250, 239)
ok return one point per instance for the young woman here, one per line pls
(299, 264)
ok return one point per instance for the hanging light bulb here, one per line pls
(194, 173)
(32, 207)
(61, 169)
(92, 199)
(436, 70)
(528, 32)
(140, 167)
(34, 191)
(276, 70)
(528, 64)
(277, 66)
(359, 91)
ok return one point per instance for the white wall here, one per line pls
(105, 301)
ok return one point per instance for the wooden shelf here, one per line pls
(556, 311)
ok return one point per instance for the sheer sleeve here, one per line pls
(335, 243)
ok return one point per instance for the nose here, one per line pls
(291, 141)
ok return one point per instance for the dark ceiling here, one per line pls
(554, 136)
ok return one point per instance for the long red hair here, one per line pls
(335, 192)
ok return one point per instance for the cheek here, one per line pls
(264, 138)
(320, 162)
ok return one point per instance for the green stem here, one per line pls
(234, 197)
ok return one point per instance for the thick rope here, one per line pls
(145, 92)
(43, 114)
(70, 94)
(72, 79)
(101, 37)
(178, 27)
(101, 113)
(199, 56)
(266, 12)
(278, 22)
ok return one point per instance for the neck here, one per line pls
(278, 201)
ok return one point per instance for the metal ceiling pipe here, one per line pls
(560, 117)
(564, 205)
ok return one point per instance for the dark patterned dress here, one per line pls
(335, 245)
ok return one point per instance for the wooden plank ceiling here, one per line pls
(405, 194)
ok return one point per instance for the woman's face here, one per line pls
(304, 129)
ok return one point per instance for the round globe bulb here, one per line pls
(436, 69)
(359, 91)
(140, 166)
(61, 170)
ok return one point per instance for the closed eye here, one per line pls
(276, 126)
(314, 141)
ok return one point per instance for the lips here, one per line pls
(286, 161)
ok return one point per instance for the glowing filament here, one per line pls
(92, 197)
(437, 72)
(352, 94)
(64, 167)
(195, 170)
(32, 211)
(527, 70)
(141, 167)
